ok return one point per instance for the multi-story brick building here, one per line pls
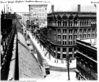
(86, 61)
(65, 27)
(38, 14)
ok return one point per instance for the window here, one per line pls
(58, 49)
(74, 42)
(93, 29)
(89, 30)
(80, 30)
(75, 31)
(84, 30)
(70, 49)
(59, 30)
(69, 42)
(59, 36)
(65, 42)
(70, 31)
(70, 36)
(64, 37)
(70, 23)
(75, 36)
(84, 35)
(64, 49)
(64, 30)
(87, 22)
(64, 23)
(88, 35)
(75, 22)
(70, 55)
(80, 36)
(59, 23)
(58, 56)
(64, 55)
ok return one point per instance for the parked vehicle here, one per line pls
(46, 66)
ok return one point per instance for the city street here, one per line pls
(58, 71)
(51, 60)
(59, 77)
(48, 40)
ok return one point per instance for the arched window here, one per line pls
(76, 20)
(64, 18)
(59, 20)
(70, 20)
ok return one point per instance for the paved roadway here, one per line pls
(58, 76)
(61, 69)
(57, 73)
(28, 66)
(51, 61)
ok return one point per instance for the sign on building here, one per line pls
(38, 14)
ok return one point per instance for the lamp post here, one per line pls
(67, 59)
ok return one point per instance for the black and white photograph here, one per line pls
(48, 40)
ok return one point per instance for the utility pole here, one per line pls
(68, 68)
(67, 60)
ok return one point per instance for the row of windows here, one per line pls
(66, 42)
(87, 35)
(64, 23)
(75, 30)
(70, 37)
(64, 37)
(65, 30)
(58, 56)
(64, 49)
(87, 30)
(72, 23)
(62, 19)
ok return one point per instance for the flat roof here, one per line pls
(90, 43)
(93, 42)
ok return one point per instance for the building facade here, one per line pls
(64, 28)
(86, 61)
(38, 14)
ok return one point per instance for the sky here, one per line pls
(59, 5)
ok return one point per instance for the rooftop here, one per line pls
(93, 42)
(73, 12)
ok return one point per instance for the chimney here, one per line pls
(79, 9)
(52, 8)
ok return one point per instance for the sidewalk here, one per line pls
(51, 60)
